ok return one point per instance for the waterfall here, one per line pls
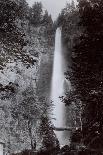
(57, 80)
(57, 88)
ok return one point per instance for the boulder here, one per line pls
(65, 150)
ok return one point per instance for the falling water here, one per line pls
(57, 80)
(57, 89)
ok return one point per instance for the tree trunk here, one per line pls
(30, 134)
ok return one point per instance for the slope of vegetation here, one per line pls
(82, 30)
(25, 35)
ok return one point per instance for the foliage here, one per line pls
(49, 28)
(26, 115)
(87, 67)
(88, 62)
(49, 138)
(21, 45)
(36, 13)
(68, 19)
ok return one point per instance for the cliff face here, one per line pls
(45, 74)
(22, 51)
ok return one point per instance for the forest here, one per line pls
(25, 36)
(82, 31)
(27, 51)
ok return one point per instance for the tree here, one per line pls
(47, 19)
(68, 19)
(26, 113)
(72, 5)
(36, 13)
(23, 9)
(85, 28)
(49, 139)
(7, 15)
(47, 22)
(87, 65)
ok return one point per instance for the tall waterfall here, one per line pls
(57, 88)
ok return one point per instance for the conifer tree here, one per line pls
(36, 13)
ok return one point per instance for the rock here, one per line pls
(48, 151)
(65, 150)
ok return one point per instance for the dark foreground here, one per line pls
(65, 150)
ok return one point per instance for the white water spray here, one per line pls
(57, 89)
(57, 80)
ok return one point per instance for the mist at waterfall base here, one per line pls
(58, 87)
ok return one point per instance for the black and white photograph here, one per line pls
(51, 77)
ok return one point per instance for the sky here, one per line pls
(53, 6)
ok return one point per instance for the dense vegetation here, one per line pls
(26, 40)
(14, 17)
(82, 30)
(25, 35)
